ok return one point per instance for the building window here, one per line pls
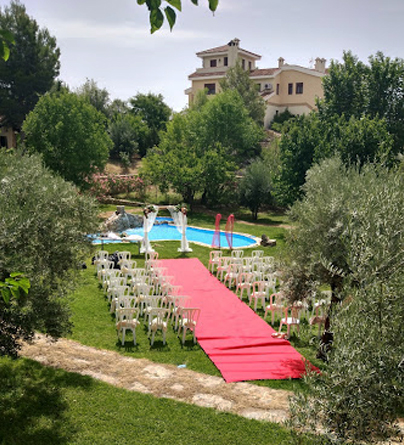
(299, 88)
(211, 87)
(258, 86)
(243, 64)
(277, 89)
(213, 63)
(226, 61)
(290, 88)
(249, 66)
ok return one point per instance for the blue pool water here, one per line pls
(165, 232)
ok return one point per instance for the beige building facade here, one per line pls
(7, 137)
(291, 87)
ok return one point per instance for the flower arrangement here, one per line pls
(150, 208)
(181, 208)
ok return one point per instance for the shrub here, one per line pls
(102, 186)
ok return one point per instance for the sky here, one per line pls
(109, 41)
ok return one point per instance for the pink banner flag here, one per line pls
(229, 230)
(216, 235)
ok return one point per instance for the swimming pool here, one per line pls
(168, 232)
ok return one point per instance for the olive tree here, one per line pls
(350, 235)
(44, 221)
(255, 187)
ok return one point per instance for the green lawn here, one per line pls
(95, 326)
(44, 406)
(41, 406)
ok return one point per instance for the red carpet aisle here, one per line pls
(235, 338)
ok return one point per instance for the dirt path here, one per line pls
(160, 380)
(141, 375)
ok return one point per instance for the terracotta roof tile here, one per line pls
(218, 49)
(224, 48)
(215, 73)
(263, 72)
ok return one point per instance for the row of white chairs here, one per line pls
(135, 292)
(256, 276)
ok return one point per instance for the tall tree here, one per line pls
(70, 133)
(309, 139)
(224, 119)
(126, 131)
(155, 113)
(97, 97)
(239, 80)
(31, 68)
(376, 90)
(386, 95)
(188, 161)
(344, 87)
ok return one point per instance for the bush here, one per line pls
(279, 119)
(102, 186)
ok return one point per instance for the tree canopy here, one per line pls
(203, 146)
(375, 90)
(360, 118)
(6, 39)
(255, 187)
(224, 119)
(97, 97)
(31, 68)
(43, 226)
(310, 138)
(127, 133)
(155, 113)
(70, 134)
(238, 79)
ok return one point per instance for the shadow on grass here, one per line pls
(33, 409)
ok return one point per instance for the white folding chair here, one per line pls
(291, 318)
(158, 321)
(244, 282)
(188, 321)
(259, 292)
(275, 306)
(232, 274)
(127, 319)
(214, 259)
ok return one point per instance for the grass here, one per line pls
(95, 326)
(40, 405)
(44, 406)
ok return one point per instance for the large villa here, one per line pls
(291, 87)
(287, 86)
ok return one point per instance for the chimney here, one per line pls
(234, 42)
(233, 51)
(281, 62)
(320, 65)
